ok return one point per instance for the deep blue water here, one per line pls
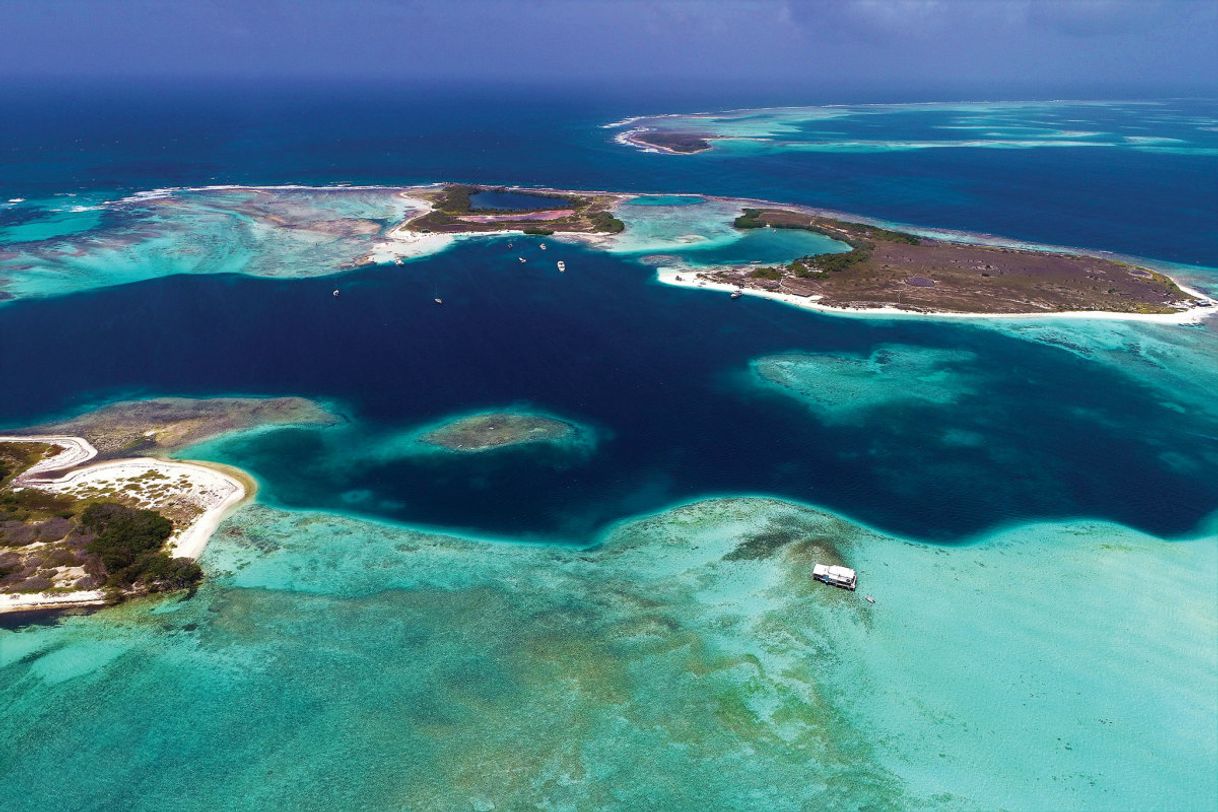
(63, 139)
(660, 373)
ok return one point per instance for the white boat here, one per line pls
(543, 246)
(398, 261)
(336, 293)
(834, 575)
(438, 300)
(736, 294)
(562, 266)
(522, 259)
(869, 599)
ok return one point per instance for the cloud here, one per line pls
(829, 45)
(1090, 18)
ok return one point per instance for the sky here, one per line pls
(1024, 45)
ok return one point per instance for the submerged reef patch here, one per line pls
(691, 642)
(285, 232)
(489, 431)
(846, 388)
(159, 426)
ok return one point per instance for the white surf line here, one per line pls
(33, 602)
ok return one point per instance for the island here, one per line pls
(883, 269)
(666, 141)
(452, 212)
(84, 524)
(489, 431)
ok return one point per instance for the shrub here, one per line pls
(128, 544)
(750, 219)
(605, 222)
(766, 273)
(455, 199)
(158, 572)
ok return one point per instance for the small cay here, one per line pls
(488, 431)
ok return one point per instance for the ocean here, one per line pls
(630, 623)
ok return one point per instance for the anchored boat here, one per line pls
(562, 266)
(834, 575)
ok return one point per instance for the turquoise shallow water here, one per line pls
(678, 658)
(34, 220)
(1158, 127)
(331, 662)
(267, 233)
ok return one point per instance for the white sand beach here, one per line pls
(689, 278)
(208, 493)
(195, 496)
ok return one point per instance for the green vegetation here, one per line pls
(32, 504)
(451, 205)
(684, 143)
(605, 222)
(766, 273)
(829, 263)
(457, 200)
(128, 543)
(884, 234)
(860, 237)
(894, 268)
(851, 233)
(27, 504)
(454, 199)
(16, 457)
(117, 547)
(750, 219)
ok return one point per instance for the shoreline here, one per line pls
(399, 244)
(690, 279)
(11, 604)
(631, 138)
(218, 490)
